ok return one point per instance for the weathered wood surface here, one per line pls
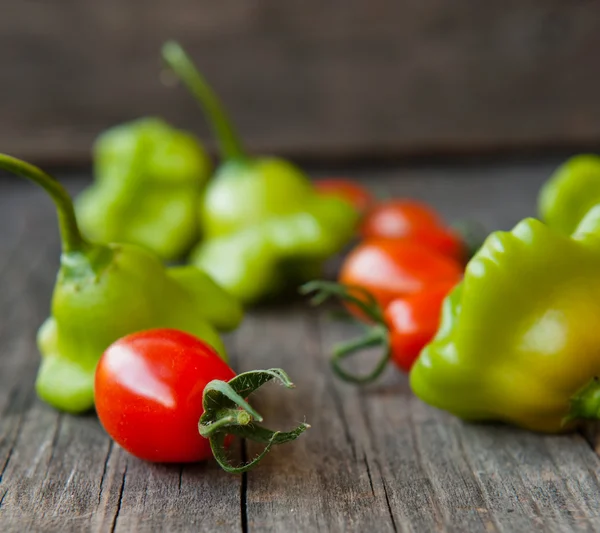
(374, 459)
(310, 77)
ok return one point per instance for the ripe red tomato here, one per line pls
(148, 392)
(400, 219)
(413, 321)
(443, 240)
(390, 269)
(349, 190)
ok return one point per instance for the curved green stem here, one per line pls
(377, 335)
(226, 412)
(72, 240)
(182, 65)
(227, 390)
(352, 294)
(217, 445)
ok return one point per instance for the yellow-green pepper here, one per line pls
(148, 181)
(104, 292)
(570, 192)
(264, 225)
(519, 339)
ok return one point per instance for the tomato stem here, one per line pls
(360, 297)
(226, 412)
(227, 390)
(180, 63)
(377, 335)
(72, 240)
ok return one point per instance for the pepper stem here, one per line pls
(226, 412)
(222, 127)
(585, 404)
(72, 240)
(377, 335)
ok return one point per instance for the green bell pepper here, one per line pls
(519, 339)
(570, 192)
(149, 178)
(104, 292)
(264, 225)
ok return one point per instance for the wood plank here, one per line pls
(322, 482)
(310, 77)
(374, 459)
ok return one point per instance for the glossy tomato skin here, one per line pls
(391, 269)
(148, 393)
(400, 219)
(413, 321)
(349, 190)
(442, 240)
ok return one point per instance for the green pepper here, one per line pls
(148, 181)
(104, 292)
(264, 225)
(519, 339)
(570, 192)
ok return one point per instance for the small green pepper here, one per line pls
(519, 339)
(264, 224)
(104, 292)
(570, 193)
(149, 178)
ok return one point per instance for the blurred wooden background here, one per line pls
(307, 77)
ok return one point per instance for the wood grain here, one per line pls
(374, 459)
(307, 77)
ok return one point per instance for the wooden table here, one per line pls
(375, 459)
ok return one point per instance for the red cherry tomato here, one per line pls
(390, 269)
(443, 240)
(409, 219)
(349, 190)
(148, 391)
(160, 392)
(413, 321)
(398, 218)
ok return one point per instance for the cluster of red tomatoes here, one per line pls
(397, 276)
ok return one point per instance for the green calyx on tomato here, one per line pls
(166, 396)
(376, 334)
(227, 413)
